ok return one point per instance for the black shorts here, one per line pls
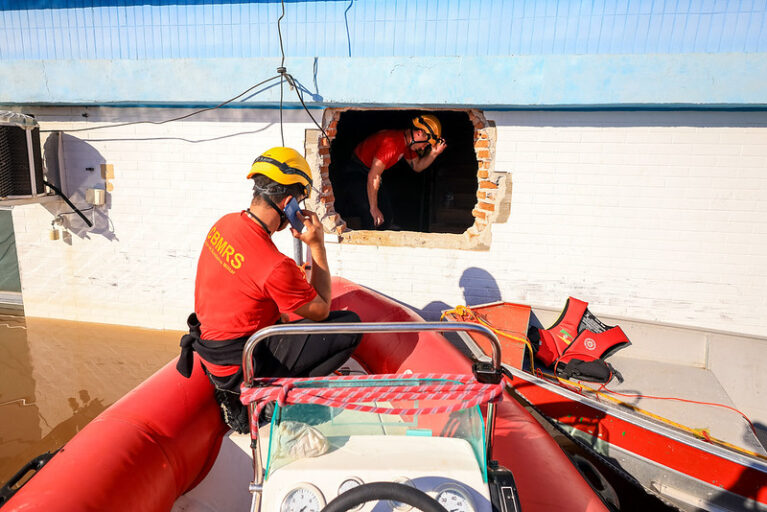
(303, 355)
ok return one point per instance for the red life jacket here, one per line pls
(577, 333)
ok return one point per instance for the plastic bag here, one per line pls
(298, 440)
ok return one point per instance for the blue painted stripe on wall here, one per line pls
(735, 80)
(129, 29)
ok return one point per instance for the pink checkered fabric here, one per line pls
(462, 391)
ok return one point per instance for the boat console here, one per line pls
(323, 450)
(442, 457)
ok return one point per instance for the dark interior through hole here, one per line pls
(439, 199)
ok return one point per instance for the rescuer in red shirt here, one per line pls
(361, 181)
(244, 283)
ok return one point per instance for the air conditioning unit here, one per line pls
(21, 164)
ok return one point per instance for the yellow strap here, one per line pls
(466, 312)
(700, 433)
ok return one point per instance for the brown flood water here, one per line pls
(56, 376)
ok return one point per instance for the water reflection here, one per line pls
(56, 376)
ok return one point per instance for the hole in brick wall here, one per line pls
(437, 200)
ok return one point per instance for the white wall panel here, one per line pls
(660, 216)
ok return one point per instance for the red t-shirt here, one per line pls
(387, 145)
(244, 282)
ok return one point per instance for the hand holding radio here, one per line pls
(312, 233)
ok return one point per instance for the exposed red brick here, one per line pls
(484, 164)
(482, 143)
(330, 132)
(487, 184)
(486, 206)
(481, 194)
(324, 150)
(481, 153)
(482, 174)
(479, 214)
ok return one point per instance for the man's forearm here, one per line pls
(321, 272)
(372, 191)
(424, 162)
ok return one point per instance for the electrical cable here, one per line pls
(301, 99)
(291, 81)
(190, 141)
(283, 75)
(281, 70)
(172, 119)
(66, 200)
(282, 132)
(279, 33)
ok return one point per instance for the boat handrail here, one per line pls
(363, 328)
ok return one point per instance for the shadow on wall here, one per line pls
(478, 287)
(74, 170)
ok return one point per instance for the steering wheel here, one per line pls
(375, 491)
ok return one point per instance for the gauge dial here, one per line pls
(454, 500)
(350, 483)
(305, 498)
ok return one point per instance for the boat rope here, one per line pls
(466, 313)
(700, 433)
(463, 391)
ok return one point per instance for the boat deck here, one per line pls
(680, 375)
(663, 379)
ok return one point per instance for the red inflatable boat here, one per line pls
(164, 447)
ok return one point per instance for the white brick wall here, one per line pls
(659, 216)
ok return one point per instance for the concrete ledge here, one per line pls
(413, 239)
(570, 81)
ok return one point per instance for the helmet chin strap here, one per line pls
(412, 139)
(283, 217)
(413, 142)
(262, 223)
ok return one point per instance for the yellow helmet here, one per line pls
(285, 166)
(429, 124)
